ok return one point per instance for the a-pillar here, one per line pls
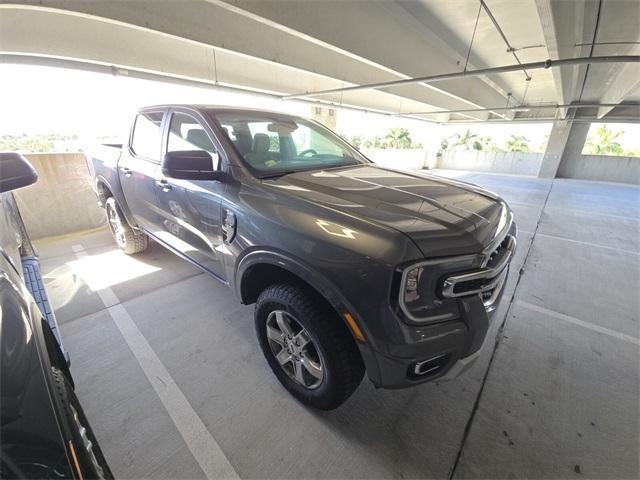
(565, 142)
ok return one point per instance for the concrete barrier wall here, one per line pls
(517, 163)
(61, 201)
(604, 168)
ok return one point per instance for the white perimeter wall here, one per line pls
(517, 163)
(603, 168)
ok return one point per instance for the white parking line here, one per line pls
(589, 244)
(199, 440)
(582, 323)
(591, 214)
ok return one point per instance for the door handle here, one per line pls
(126, 171)
(163, 184)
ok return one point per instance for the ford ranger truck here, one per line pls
(351, 267)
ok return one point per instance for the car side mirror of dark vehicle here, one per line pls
(190, 165)
(15, 172)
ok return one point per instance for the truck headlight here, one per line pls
(418, 297)
(411, 284)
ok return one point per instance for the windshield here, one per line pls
(274, 144)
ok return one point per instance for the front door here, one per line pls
(189, 210)
(138, 168)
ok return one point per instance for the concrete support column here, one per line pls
(565, 142)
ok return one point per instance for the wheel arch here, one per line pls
(104, 191)
(261, 268)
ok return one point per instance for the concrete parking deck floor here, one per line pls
(556, 397)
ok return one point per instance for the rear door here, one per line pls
(190, 210)
(139, 166)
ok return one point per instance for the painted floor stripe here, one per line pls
(582, 323)
(589, 244)
(199, 440)
(574, 211)
(591, 214)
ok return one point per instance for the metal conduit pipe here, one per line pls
(504, 37)
(545, 64)
(544, 120)
(526, 107)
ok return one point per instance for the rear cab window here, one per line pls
(146, 138)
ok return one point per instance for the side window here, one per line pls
(185, 133)
(147, 136)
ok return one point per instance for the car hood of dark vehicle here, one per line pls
(443, 217)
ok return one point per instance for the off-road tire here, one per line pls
(92, 463)
(130, 241)
(342, 363)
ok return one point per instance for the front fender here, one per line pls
(295, 266)
(321, 284)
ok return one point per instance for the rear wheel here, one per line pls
(127, 239)
(308, 347)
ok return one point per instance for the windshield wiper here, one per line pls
(279, 174)
(282, 173)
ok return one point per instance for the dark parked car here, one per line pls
(352, 267)
(44, 432)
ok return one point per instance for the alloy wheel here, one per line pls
(294, 349)
(115, 224)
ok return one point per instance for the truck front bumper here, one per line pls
(438, 352)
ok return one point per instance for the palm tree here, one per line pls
(487, 144)
(467, 140)
(398, 137)
(518, 143)
(604, 143)
(357, 141)
(375, 143)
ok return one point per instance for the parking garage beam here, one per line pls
(566, 141)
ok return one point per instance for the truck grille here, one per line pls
(500, 251)
(487, 281)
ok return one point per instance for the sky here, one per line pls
(44, 100)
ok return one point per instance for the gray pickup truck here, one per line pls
(351, 267)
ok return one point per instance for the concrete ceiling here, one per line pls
(285, 47)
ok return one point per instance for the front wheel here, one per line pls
(308, 347)
(127, 239)
(88, 456)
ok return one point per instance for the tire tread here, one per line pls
(136, 242)
(336, 341)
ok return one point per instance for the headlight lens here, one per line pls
(419, 301)
(411, 284)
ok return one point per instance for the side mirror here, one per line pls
(15, 172)
(190, 165)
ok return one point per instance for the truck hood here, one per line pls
(443, 217)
